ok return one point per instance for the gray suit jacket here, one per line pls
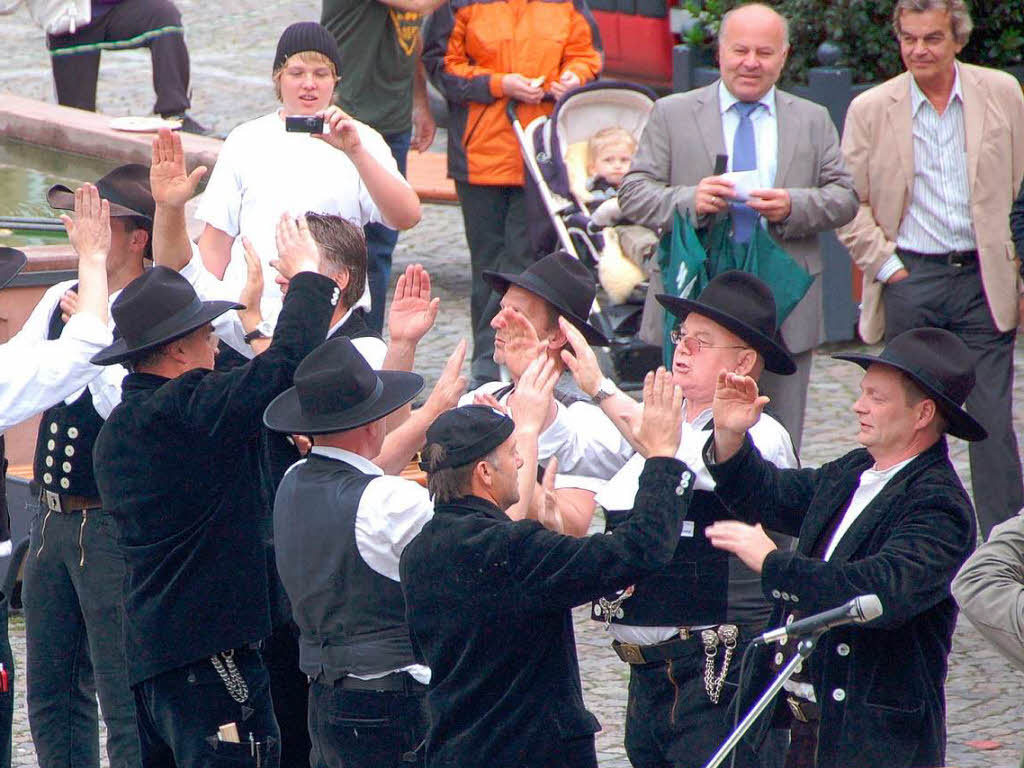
(678, 149)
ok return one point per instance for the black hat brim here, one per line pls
(499, 281)
(960, 423)
(12, 261)
(62, 198)
(120, 351)
(284, 414)
(776, 359)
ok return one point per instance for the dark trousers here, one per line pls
(380, 242)
(181, 711)
(495, 221)
(789, 395)
(941, 296)
(671, 722)
(153, 24)
(6, 697)
(289, 688)
(73, 596)
(366, 729)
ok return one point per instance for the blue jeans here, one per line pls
(180, 712)
(380, 242)
(366, 729)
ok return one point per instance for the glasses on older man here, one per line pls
(693, 345)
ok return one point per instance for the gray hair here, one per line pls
(342, 247)
(960, 16)
(783, 19)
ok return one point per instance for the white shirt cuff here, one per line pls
(891, 266)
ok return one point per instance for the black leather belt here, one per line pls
(631, 653)
(396, 681)
(949, 258)
(803, 710)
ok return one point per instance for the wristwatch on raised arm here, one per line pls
(262, 331)
(605, 390)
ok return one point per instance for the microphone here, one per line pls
(857, 611)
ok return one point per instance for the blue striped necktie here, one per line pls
(744, 158)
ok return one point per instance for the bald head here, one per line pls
(753, 42)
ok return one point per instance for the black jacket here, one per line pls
(880, 686)
(488, 604)
(178, 467)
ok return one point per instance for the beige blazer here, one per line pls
(678, 149)
(878, 145)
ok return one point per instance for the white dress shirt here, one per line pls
(773, 443)
(392, 510)
(59, 379)
(766, 132)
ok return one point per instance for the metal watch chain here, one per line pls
(728, 634)
(612, 609)
(229, 673)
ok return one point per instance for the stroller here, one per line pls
(554, 146)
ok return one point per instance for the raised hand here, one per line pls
(252, 291)
(581, 362)
(89, 230)
(518, 339)
(736, 408)
(413, 311)
(341, 131)
(296, 248)
(549, 514)
(661, 422)
(484, 398)
(451, 384)
(531, 402)
(170, 182)
(68, 305)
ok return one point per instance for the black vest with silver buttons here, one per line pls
(63, 459)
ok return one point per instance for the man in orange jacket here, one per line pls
(480, 55)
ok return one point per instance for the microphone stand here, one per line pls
(803, 649)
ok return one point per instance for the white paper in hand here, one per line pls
(743, 182)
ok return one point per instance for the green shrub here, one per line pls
(863, 31)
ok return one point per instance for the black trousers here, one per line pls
(289, 688)
(73, 593)
(154, 24)
(181, 711)
(495, 221)
(366, 729)
(940, 296)
(6, 697)
(671, 722)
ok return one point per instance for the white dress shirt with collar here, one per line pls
(766, 132)
(42, 373)
(392, 510)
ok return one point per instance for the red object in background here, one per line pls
(636, 48)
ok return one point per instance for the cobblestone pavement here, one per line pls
(231, 44)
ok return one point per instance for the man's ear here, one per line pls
(558, 339)
(139, 240)
(341, 279)
(745, 362)
(927, 413)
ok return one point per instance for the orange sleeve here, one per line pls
(580, 56)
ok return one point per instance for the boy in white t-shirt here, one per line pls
(264, 170)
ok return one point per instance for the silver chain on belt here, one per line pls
(728, 634)
(229, 673)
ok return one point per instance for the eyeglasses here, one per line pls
(693, 345)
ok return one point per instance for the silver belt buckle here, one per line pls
(52, 501)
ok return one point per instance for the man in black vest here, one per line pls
(891, 519)
(340, 526)
(683, 629)
(73, 571)
(488, 599)
(178, 466)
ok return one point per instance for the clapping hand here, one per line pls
(252, 291)
(581, 362)
(68, 305)
(341, 131)
(518, 339)
(413, 311)
(748, 542)
(549, 514)
(169, 182)
(89, 230)
(531, 401)
(737, 405)
(296, 249)
(661, 423)
(451, 384)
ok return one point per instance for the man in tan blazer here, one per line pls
(805, 188)
(937, 155)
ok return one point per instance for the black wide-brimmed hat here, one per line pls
(941, 365)
(564, 283)
(744, 304)
(126, 188)
(336, 390)
(11, 262)
(155, 308)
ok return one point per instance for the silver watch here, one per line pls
(605, 390)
